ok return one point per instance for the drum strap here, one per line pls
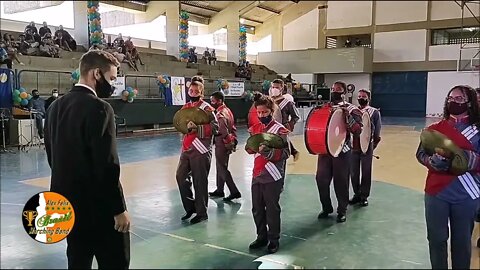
(470, 132)
(345, 148)
(283, 103)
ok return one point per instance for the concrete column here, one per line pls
(233, 40)
(80, 22)
(322, 26)
(173, 13)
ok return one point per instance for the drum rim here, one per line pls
(326, 139)
(369, 141)
(305, 129)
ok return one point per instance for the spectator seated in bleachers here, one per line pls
(213, 58)
(44, 30)
(7, 55)
(65, 40)
(244, 70)
(24, 47)
(31, 26)
(48, 47)
(192, 55)
(206, 55)
(132, 51)
(124, 58)
(119, 42)
(32, 38)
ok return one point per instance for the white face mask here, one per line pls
(55, 94)
(275, 92)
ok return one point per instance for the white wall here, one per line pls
(452, 52)
(391, 12)
(302, 33)
(344, 14)
(361, 81)
(400, 46)
(439, 83)
(442, 10)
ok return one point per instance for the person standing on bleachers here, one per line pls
(38, 104)
(31, 27)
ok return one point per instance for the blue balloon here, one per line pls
(24, 102)
(22, 90)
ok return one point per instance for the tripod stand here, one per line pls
(4, 116)
(35, 140)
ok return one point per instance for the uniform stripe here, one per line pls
(345, 148)
(199, 146)
(273, 171)
(283, 104)
(203, 105)
(274, 129)
(469, 185)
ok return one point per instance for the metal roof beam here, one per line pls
(268, 9)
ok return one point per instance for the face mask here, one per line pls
(215, 105)
(455, 108)
(55, 95)
(103, 88)
(336, 96)
(36, 95)
(266, 119)
(362, 101)
(195, 99)
(275, 92)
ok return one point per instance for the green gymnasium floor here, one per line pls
(389, 233)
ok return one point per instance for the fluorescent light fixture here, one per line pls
(242, 20)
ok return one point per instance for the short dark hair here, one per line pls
(369, 94)
(54, 90)
(263, 100)
(35, 90)
(97, 59)
(342, 84)
(280, 81)
(218, 95)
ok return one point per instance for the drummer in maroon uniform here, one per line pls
(338, 168)
(362, 162)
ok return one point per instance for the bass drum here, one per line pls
(366, 135)
(325, 131)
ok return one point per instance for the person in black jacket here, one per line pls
(82, 153)
(51, 99)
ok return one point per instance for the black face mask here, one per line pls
(35, 96)
(215, 105)
(455, 108)
(103, 88)
(362, 101)
(336, 96)
(266, 119)
(195, 99)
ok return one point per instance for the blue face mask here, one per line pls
(266, 119)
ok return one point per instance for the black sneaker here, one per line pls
(341, 218)
(198, 219)
(324, 214)
(355, 200)
(217, 193)
(273, 247)
(232, 197)
(258, 243)
(187, 215)
(364, 202)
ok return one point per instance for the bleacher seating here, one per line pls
(156, 61)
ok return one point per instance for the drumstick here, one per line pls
(377, 157)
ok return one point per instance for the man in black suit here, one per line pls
(82, 153)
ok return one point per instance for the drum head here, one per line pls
(336, 132)
(366, 135)
(315, 130)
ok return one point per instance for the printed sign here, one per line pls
(236, 89)
(177, 85)
(119, 84)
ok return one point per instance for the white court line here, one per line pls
(411, 262)
(295, 237)
(221, 248)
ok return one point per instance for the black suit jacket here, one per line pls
(82, 153)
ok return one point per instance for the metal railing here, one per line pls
(61, 80)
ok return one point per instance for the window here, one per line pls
(331, 43)
(456, 36)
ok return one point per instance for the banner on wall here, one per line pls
(119, 84)
(177, 85)
(236, 89)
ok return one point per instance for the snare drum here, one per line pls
(366, 135)
(325, 130)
